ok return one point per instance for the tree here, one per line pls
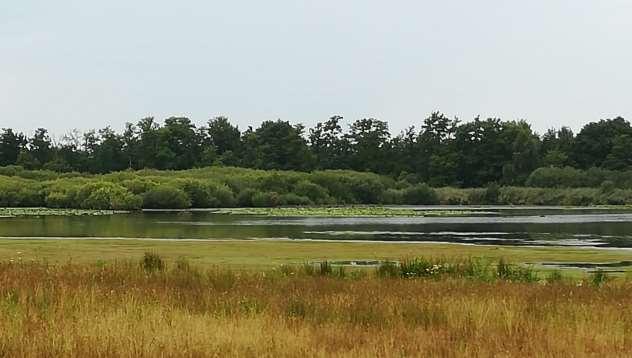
(147, 143)
(223, 135)
(524, 147)
(557, 146)
(369, 138)
(481, 152)
(277, 145)
(594, 142)
(11, 144)
(328, 144)
(41, 147)
(620, 156)
(403, 152)
(68, 153)
(179, 144)
(108, 154)
(131, 146)
(436, 159)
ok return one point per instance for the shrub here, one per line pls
(491, 193)
(314, 192)
(138, 185)
(59, 199)
(452, 196)
(607, 187)
(105, 195)
(19, 192)
(368, 192)
(515, 273)
(581, 197)
(325, 268)
(278, 182)
(244, 199)
(266, 199)
(293, 199)
(599, 277)
(98, 195)
(152, 262)
(166, 197)
(476, 196)
(555, 276)
(204, 194)
(388, 269)
(420, 194)
(392, 196)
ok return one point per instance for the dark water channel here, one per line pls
(505, 226)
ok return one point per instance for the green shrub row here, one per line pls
(215, 187)
(567, 177)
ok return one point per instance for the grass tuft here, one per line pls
(152, 262)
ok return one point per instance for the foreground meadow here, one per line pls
(426, 308)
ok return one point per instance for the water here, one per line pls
(520, 226)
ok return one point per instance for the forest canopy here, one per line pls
(439, 151)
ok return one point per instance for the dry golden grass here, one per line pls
(122, 309)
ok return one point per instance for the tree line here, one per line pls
(441, 151)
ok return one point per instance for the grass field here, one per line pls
(261, 254)
(125, 309)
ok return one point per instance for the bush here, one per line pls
(492, 193)
(607, 187)
(388, 269)
(316, 193)
(599, 277)
(266, 199)
(244, 199)
(420, 194)
(392, 196)
(205, 194)
(19, 192)
(581, 197)
(152, 262)
(476, 196)
(515, 273)
(166, 197)
(105, 195)
(452, 196)
(293, 199)
(138, 185)
(278, 182)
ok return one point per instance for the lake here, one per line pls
(520, 226)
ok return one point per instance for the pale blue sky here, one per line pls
(83, 64)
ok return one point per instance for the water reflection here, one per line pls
(518, 226)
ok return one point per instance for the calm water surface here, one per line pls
(524, 226)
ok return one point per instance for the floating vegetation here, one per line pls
(349, 211)
(14, 212)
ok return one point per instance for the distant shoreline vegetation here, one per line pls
(177, 164)
(439, 150)
(226, 187)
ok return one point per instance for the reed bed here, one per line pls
(157, 308)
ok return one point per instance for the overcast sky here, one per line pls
(87, 64)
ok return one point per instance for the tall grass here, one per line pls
(118, 309)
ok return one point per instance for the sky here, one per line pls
(86, 64)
